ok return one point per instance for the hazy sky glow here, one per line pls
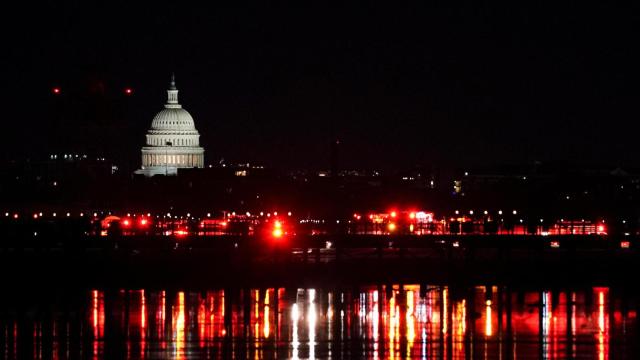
(398, 86)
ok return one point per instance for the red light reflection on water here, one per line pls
(97, 319)
(179, 327)
(143, 324)
(603, 324)
(389, 321)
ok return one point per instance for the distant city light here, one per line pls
(181, 233)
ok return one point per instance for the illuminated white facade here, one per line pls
(173, 141)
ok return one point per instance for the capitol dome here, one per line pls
(173, 119)
(173, 141)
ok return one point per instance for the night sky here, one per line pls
(399, 86)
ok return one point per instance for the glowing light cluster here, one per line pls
(277, 229)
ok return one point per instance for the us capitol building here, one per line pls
(173, 141)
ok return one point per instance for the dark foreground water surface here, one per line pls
(374, 322)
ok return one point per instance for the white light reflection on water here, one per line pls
(546, 316)
(295, 343)
(311, 321)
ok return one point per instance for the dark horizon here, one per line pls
(438, 86)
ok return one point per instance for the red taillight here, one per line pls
(126, 222)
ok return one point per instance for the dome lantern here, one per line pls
(172, 95)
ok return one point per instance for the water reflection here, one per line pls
(378, 322)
